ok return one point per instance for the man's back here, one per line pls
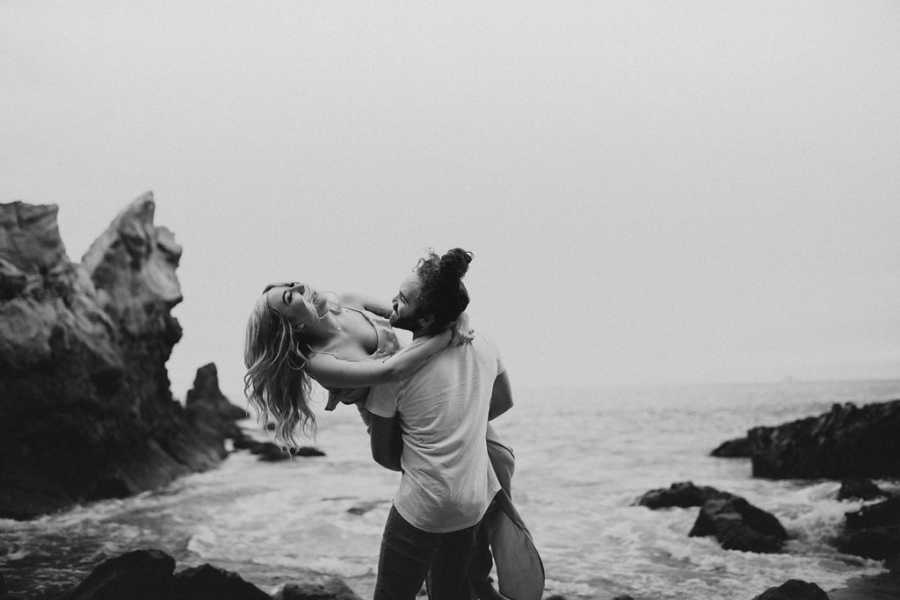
(447, 483)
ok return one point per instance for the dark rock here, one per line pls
(736, 448)
(138, 575)
(83, 350)
(625, 597)
(847, 441)
(682, 494)
(330, 589)
(872, 531)
(859, 489)
(269, 452)
(738, 525)
(207, 582)
(892, 564)
(245, 442)
(206, 397)
(208, 408)
(307, 451)
(3, 590)
(794, 589)
(883, 513)
(363, 508)
(555, 597)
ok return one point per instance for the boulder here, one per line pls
(138, 575)
(738, 525)
(736, 448)
(269, 452)
(859, 489)
(307, 451)
(205, 396)
(364, 507)
(208, 408)
(331, 589)
(682, 494)
(207, 582)
(794, 589)
(872, 531)
(847, 441)
(83, 350)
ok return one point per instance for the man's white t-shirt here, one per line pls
(447, 481)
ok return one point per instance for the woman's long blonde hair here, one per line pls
(276, 383)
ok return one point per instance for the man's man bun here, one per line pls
(455, 263)
(443, 295)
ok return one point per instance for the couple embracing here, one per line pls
(427, 406)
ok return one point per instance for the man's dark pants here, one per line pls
(407, 554)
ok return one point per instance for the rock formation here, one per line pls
(150, 575)
(848, 441)
(682, 494)
(330, 589)
(794, 589)
(738, 525)
(86, 409)
(736, 448)
(872, 531)
(859, 489)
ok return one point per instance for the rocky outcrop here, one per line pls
(142, 574)
(682, 494)
(269, 452)
(736, 448)
(794, 589)
(859, 489)
(738, 525)
(872, 531)
(847, 441)
(207, 582)
(149, 575)
(86, 408)
(209, 411)
(206, 398)
(331, 589)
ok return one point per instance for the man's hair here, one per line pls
(443, 295)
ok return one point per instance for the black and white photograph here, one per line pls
(306, 300)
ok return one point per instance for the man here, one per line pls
(441, 412)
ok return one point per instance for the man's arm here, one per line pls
(386, 442)
(501, 397)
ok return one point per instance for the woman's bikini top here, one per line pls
(385, 339)
(386, 344)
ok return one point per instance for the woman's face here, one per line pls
(297, 301)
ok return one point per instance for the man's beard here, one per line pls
(409, 322)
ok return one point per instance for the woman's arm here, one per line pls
(333, 372)
(369, 303)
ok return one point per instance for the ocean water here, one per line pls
(583, 456)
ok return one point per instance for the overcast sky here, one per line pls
(654, 191)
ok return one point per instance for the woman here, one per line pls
(344, 342)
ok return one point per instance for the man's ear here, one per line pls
(426, 321)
